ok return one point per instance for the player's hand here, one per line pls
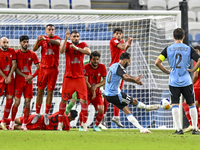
(8, 80)
(138, 80)
(169, 70)
(129, 40)
(41, 37)
(74, 47)
(67, 34)
(93, 95)
(191, 70)
(28, 77)
(29, 82)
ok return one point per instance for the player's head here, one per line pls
(75, 37)
(197, 48)
(125, 59)
(72, 115)
(94, 58)
(50, 30)
(4, 43)
(179, 34)
(24, 41)
(118, 33)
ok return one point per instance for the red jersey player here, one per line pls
(25, 58)
(117, 47)
(7, 67)
(74, 76)
(94, 71)
(48, 72)
(40, 123)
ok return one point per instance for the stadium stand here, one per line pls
(198, 16)
(194, 5)
(197, 37)
(173, 3)
(83, 4)
(18, 3)
(60, 4)
(38, 4)
(191, 16)
(194, 28)
(3, 4)
(156, 5)
(85, 35)
(190, 39)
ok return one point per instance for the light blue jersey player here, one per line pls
(114, 95)
(179, 57)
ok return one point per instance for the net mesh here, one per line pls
(151, 34)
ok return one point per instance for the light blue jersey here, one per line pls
(113, 79)
(179, 57)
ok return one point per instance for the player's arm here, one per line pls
(14, 66)
(132, 79)
(102, 83)
(195, 76)
(2, 74)
(55, 42)
(196, 58)
(20, 73)
(87, 83)
(36, 45)
(125, 45)
(63, 46)
(30, 77)
(84, 50)
(159, 61)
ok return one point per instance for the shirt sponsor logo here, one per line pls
(75, 61)
(116, 41)
(7, 68)
(49, 52)
(25, 69)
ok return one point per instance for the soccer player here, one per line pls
(7, 67)
(94, 71)
(74, 76)
(179, 56)
(48, 72)
(23, 83)
(119, 99)
(117, 47)
(40, 123)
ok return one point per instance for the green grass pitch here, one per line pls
(111, 139)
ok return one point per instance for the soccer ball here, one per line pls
(165, 104)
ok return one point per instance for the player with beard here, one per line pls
(48, 72)
(117, 47)
(74, 79)
(23, 83)
(94, 72)
(119, 99)
(7, 67)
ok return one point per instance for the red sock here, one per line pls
(38, 107)
(7, 109)
(80, 118)
(26, 115)
(198, 113)
(62, 108)
(48, 107)
(187, 113)
(84, 109)
(99, 117)
(116, 111)
(14, 112)
(106, 104)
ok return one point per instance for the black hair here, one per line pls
(95, 53)
(118, 29)
(23, 37)
(197, 47)
(125, 55)
(49, 25)
(73, 114)
(178, 33)
(75, 32)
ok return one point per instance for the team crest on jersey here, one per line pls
(75, 61)
(116, 41)
(25, 69)
(99, 74)
(7, 68)
(49, 52)
(10, 56)
(29, 58)
(84, 71)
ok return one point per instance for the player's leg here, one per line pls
(71, 103)
(26, 113)
(103, 122)
(48, 106)
(62, 108)
(187, 113)
(198, 112)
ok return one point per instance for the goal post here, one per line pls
(151, 32)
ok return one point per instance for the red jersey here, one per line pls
(24, 62)
(6, 58)
(197, 83)
(74, 61)
(53, 122)
(94, 75)
(115, 51)
(49, 53)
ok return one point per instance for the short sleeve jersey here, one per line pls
(94, 75)
(113, 79)
(49, 53)
(6, 58)
(53, 122)
(115, 51)
(74, 61)
(24, 62)
(197, 83)
(179, 56)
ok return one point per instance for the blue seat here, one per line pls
(190, 39)
(77, 27)
(197, 37)
(97, 27)
(17, 33)
(60, 33)
(57, 23)
(37, 33)
(6, 33)
(85, 35)
(104, 35)
(34, 24)
(12, 24)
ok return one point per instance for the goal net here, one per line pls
(151, 32)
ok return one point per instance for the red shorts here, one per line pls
(47, 77)
(70, 85)
(39, 125)
(95, 102)
(197, 95)
(121, 85)
(23, 87)
(9, 88)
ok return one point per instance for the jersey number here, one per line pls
(109, 76)
(179, 57)
(24, 61)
